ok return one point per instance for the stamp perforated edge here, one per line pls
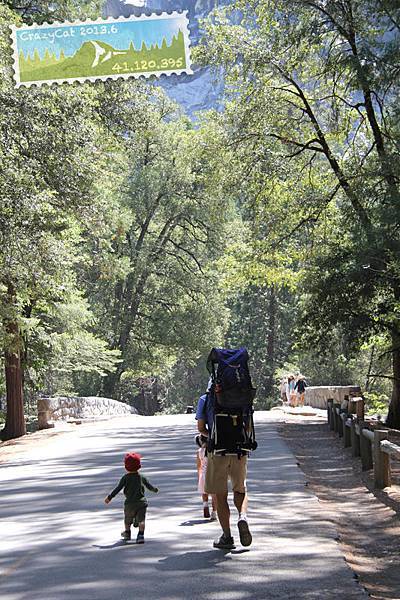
(154, 15)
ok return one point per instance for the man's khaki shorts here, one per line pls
(222, 468)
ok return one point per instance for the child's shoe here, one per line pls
(126, 535)
(206, 512)
(140, 538)
(213, 516)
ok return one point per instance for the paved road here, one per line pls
(60, 541)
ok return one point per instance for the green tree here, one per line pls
(314, 100)
(153, 286)
(47, 10)
(48, 141)
(61, 352)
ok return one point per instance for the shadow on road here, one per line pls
(58, 505)
(118, 544)
(192, 522)
(193, 561)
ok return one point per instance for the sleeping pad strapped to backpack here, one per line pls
(232, 394)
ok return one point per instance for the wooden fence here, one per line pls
(367, 440)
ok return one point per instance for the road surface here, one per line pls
(60, 541)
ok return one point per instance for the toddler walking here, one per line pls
(201, 459)
(135, 506)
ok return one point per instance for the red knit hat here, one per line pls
(132, 461)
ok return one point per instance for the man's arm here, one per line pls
(201, 426)
(201, 415)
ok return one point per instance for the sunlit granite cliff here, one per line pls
(194, 92)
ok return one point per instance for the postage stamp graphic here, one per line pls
(102, 49)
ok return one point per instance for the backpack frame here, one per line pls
(232, 393)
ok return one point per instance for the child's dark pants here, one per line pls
(134, 514)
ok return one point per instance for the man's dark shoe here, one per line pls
(244, 533)
(126, 535)
(140, 538)
(225, 542)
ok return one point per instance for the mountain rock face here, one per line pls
(195, 92)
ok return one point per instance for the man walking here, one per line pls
(219, 470)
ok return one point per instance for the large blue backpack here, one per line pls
(230, 376)
(232, 395)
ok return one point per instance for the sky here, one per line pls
(71, 37)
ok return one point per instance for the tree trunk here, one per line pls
(156, 402)
(393, 418)
(367, 379)
(269, 382)
(15, 419)
(110, 382)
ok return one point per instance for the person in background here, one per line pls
(282, 390)
(201, 460)
(300, 388)
(290, 393)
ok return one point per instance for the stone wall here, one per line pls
(79, 408)
(317, 396)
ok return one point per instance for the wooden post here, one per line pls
(330, 414)
(356, 406)
(381, 460)
(360, 409)
(336, 416)
(346, 432)
(365, 451)
(355, 439)
(340, 424)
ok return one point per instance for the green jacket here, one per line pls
(133, 485)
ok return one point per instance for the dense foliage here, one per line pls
(133, 240)
(107, 236)
(314, 87)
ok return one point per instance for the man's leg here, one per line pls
(240, 501)
(217, 483)
(224, 513)
(225, 542)
(238, 477)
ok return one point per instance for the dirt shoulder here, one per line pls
(367, 522)
(13, 449)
